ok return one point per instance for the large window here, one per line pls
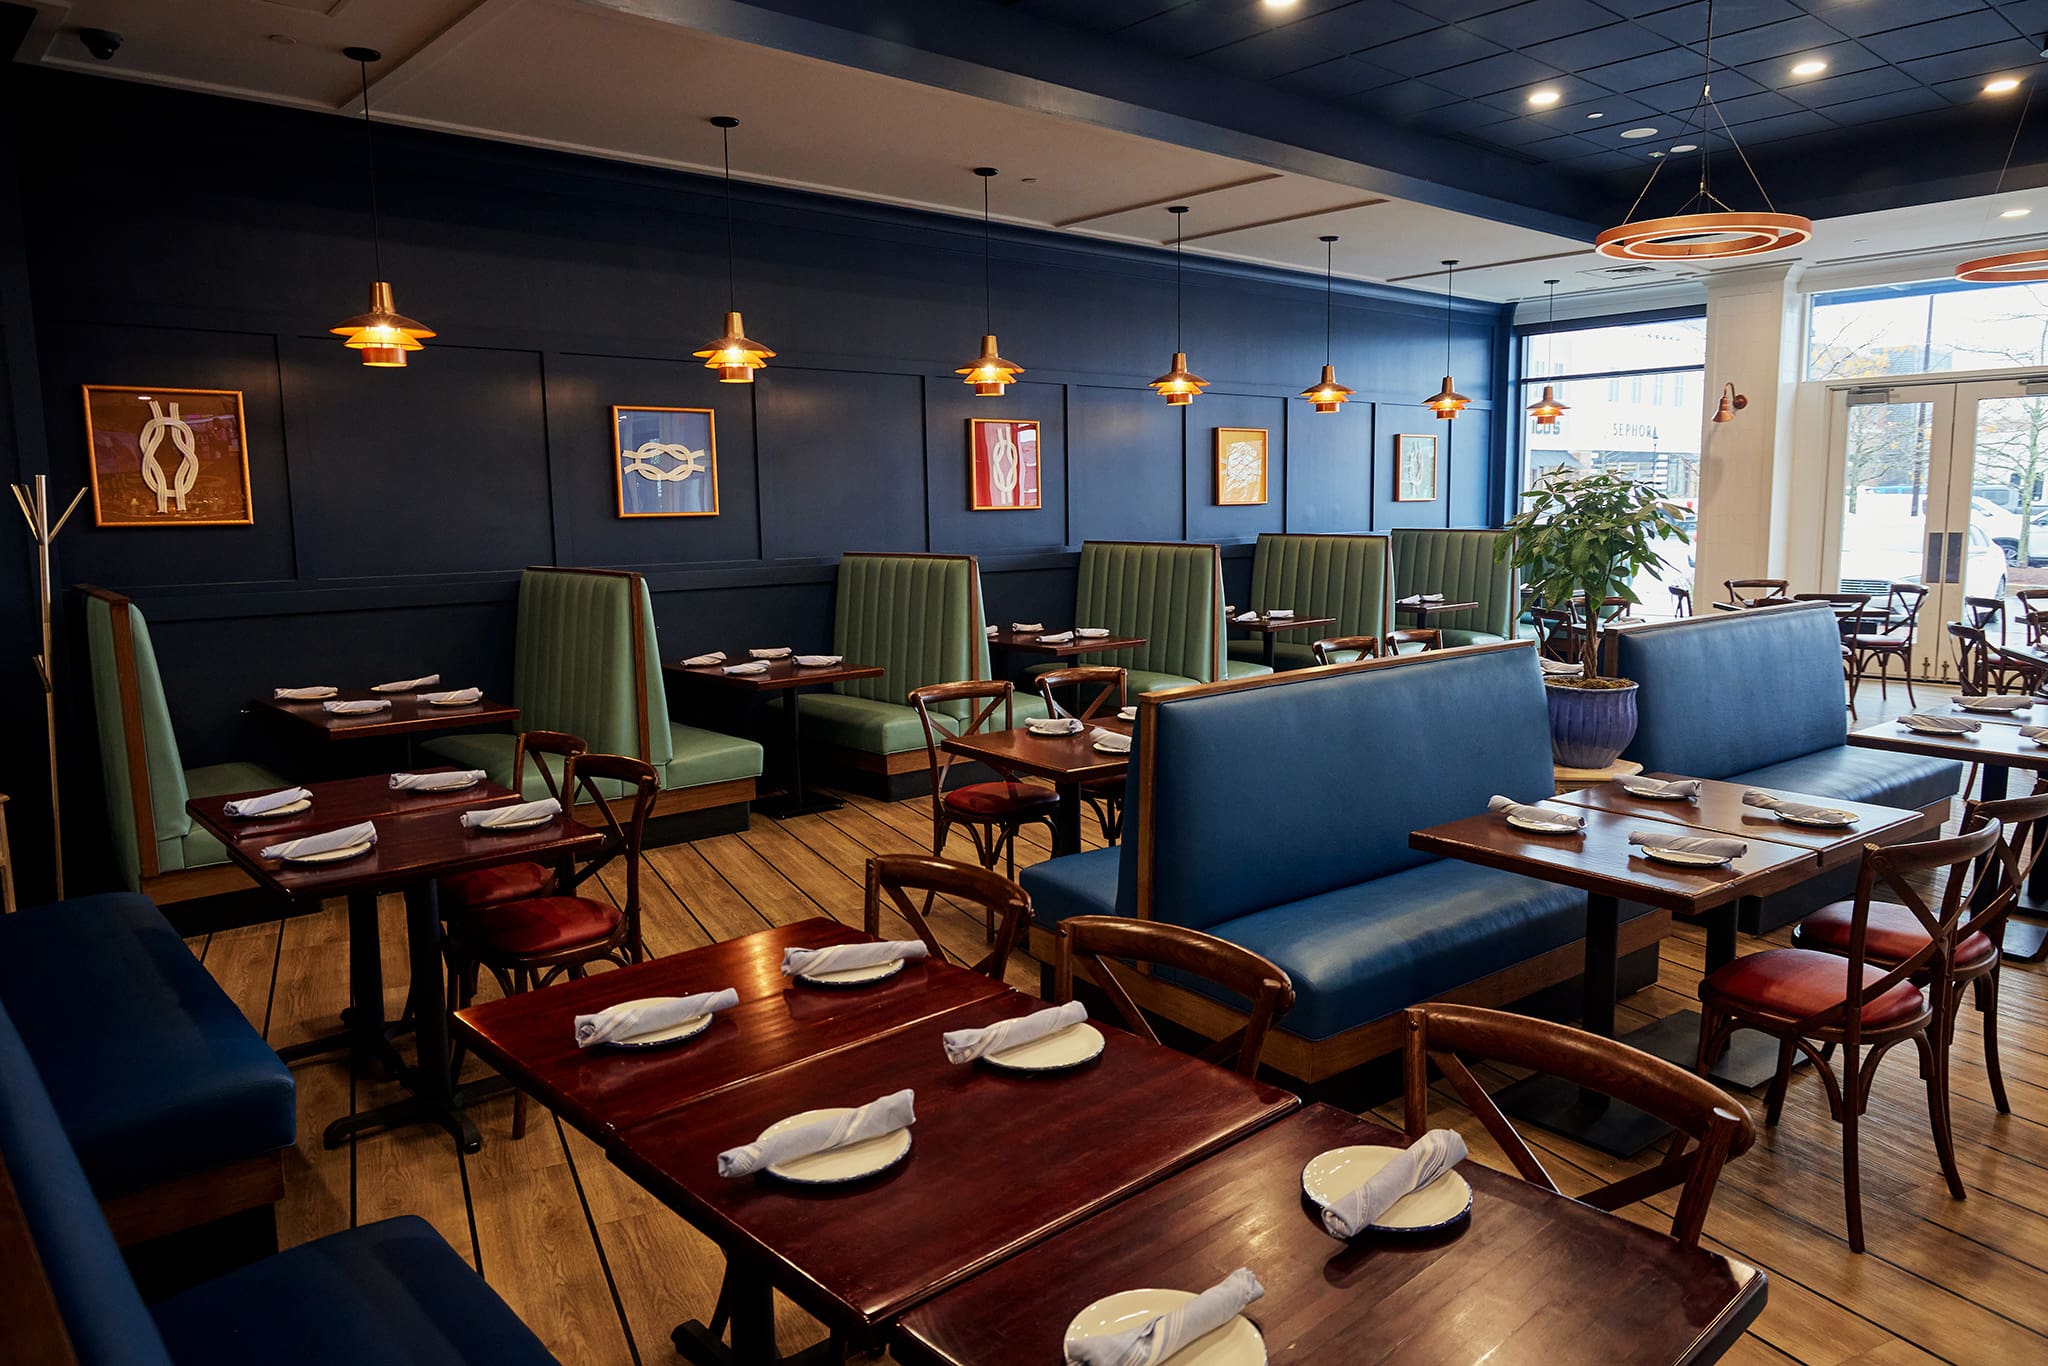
(1927, 328)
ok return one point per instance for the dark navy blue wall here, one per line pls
(395, 508)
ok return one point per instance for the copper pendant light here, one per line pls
(383, 334)
(2011, 267)
(734, 355)
(989, 373)
(1326, 394)
(1447, 402)
(1177, 386)
(1547, 410)
(1705, 228)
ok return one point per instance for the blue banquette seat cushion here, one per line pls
(155, 1071)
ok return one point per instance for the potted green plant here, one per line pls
(1588, 536)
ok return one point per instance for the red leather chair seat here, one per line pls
(1893, 935)
(1110, 786)
(984, 800)
(1795, 983)
(492, 886)
(540, 926)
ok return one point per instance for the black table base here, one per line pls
(793, 800)
(2025, 940)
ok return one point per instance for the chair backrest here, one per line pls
(144, 775)
(1103, 946)
(1557, 633)
(918, 617)
(2002, 877)
(892, 875)
(1345, 649)
(1968, 644)
(1170, 593)
(558, 779)
(1459, 564)
(950, 710)
(1904, 604)
(586, 662)
(1756, 592)
(601, 778)
(1712, 1125)
(1681, 599)
(1350, 578)
(1098, 688)
(1420, 637)
(1985, 613)
(1727, 693)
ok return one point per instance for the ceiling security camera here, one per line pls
(102, 43)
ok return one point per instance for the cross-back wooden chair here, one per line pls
(1712, 1125)
(1987, 615)
(2033, 612)
(1681, 599)
(1890, 638)
(1328, 648)
(1807, 999)
(1103, 947)
(484, 887)
(1746, 593)
(1423, 638)
(1097, 689)
(2004, 672)
(891, 876)
(991, 813)
(1557, 634)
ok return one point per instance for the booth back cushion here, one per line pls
(1460, 565)
(1265, 795)
(166, 776)
(1169, 593)
(1346, 577)
(1735, 691)
(574, 669)
(917, 616)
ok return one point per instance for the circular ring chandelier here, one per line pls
(1693, 236)
(2013, 268)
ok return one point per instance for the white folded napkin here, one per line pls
(408, 684)
(1422, 1162)
(1127, 714)
(819, 661)
(269, 801)
(1424, 597)
(1713, 846)
(1688, 788)
(453, 696)
(965, 1045)
(991, 631)
(1162, 1335)
(1057, 638)
(699, 661)
(770, 652)
(645, 1017)
(1995, 703)
(1053, 725)
(361, 707)
(366, 833)
(1797, 810)
(1247, 616)
(1558, 666)
(1091, 632)
(752, 666)
(1279, 613)
(312, 694)
(1111, 740)
(842, 957)
(1536, 815)
(517, 814)
(2035, 733)
(877, 1117)
(437, 782)
(1228, 608)
(1960, 725)
(1020, 627)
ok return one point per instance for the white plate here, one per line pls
(1653, 794)
(1682, 859)
(1104, 747)
(333, 855)
(660, 1038)
(819, 661)
(531, 823)
(1332, 1175)
(1054, 726)
(455, 701)
(1070, 1047)
(1127, 714)
(779, 652)
(854, 1162)
(1964, 704)
(1935, 730)
(289, 809)
(1236, 1343)
(1535, 829)
(854, 977)
(1844, 819)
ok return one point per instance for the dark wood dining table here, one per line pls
(405, 718)
(1006, 641)
(1422, 611)
(1066, 761)
(1270, 628)
(789, 678)
(1530, 1277)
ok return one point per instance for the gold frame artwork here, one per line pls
(1424, 444)
(1230, 491)
(1036, 463)
(622, 460)
(119, 497)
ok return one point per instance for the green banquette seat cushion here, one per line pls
(1458, 564)
(1349, 578)
(1170, 594)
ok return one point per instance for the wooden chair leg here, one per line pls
(1774, 1099)
(1906, 665)
(1852, 1168)
(1935, 1055)
(1987, 1005)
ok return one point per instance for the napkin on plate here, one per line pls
(1422, 1162)
(965, 1045)
(2038, 734)
(1091, 632)
(843, 957)
(1536, 815)
(699, 661)
(366, 833)
(1246, 616)
(1961, 725)
(408, 684)
(1712, 846)
(1797, 810)
(1995, 703)
(1423, 597)
(1020, 627)
(1053, 725)
(819, 661)
(1159, 1337)
(1558, 666)
(877, 1117)
(437, 782)
(770, 652)
(362, 707)
(752, 666)
(1111, 742)
(311, 694)
(991, 631)
(269, 801)
(453, 696)
(644, 1017)
(1688, 788)
(1280, 613)
(1056, 638)
(517, 814)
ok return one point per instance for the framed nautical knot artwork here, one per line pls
(1240, 466)
(167, 457)
(1414, 469)
(665, 462)
(1002, 464)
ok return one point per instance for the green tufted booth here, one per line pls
(1168, 592)
(1346, 577)
(157, 848)
(1460, 565)
(585, 661)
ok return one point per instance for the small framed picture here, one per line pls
(1414, 469)
(167, 457)
(665, 462)
(1240, 466)
(1002, 464)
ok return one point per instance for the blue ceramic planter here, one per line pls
(1590, 727)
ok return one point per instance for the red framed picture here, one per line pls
(1002, 464)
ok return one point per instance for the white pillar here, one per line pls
(1753, 316)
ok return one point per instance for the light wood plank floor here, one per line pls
(602, 1271)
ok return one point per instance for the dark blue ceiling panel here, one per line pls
(1858, 17)
(1782, 39)
(1533, 21)
(1765, 104)
(1916, 101)
(1597, 47)
(2015, 56)
(1952, 34)
(1855, 85)
(1339, 77)
(1488, 75)
(1687, 23)
(1651, 69)
(1680, 95)
(1841, 58)
(1433, 50)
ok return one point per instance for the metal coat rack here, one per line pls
(35, 507)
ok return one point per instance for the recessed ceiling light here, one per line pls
(1544, 98)
(1280, 4)
(1811, 67)
(2015, 213)
(1686, 147)
(2004, 85)
(1644, 132)
(1596, 115)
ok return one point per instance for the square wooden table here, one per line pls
(1532, 1277)
(1423, 611)
(998, 1161)
(406, 717)
(531, 1037)
(1067, 761)
(788, 677)
(1270, 628)
(1006, 641)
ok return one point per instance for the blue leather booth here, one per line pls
(1275, 813)
(390, 1292)
(1756, 697)
(156, 1074)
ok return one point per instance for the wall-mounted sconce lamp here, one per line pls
(1731, 403)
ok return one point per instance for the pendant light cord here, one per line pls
(1329, 294)
(1450, 273)
(370, 159)
(732, 290)
(988, 306)
(1179, 307)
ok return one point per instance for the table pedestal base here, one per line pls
(1750, 1060)
(2026, 941)
(400, 1113)
(1564, 1107)
(783, 805)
